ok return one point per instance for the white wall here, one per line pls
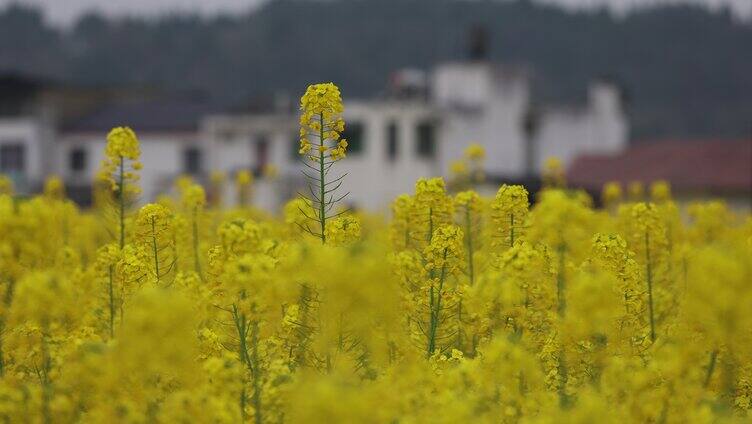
(28, 132)
(598, 128)
(372, 179)
(482, 103)
(232, 141)
(162, 156)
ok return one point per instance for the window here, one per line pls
(226, 135)
(392, 141)
(192, 161)
(262, 153)
(12, 158)
(354, 135)
(426, 147)
(77, 159)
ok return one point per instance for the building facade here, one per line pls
(423, 122)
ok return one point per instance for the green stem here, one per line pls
(459, 326)
(239, 320)
(45, 376)
(176, 262)
(561, 282)
(649, 274)
(7, 300)
(121, 198)
(511, 230)
(196, 258)
(2, 355)
(435, 310)
(322, 185)
(728, 379)
(470, 247)
(256, 374)
(243, 397)
(154, 248)
(430, 225)
(564, 400)
(711, 367)
(112, 303)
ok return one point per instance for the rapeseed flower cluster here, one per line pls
(456, 308)
(321, 121)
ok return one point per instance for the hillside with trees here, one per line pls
(685, 71)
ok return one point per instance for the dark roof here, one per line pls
(20, 83)
(144, 116)
(711, 165)
(265, 104)
(18, 92)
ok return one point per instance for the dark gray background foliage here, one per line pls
(686, 71)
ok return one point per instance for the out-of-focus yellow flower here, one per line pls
(553, 173)
(244, 186)
(458, 168)
(54, 188)
(217, 177)
(660, 191)
(636, 191)
(6, 185)
(228, 315)
(611, 194)
(475, 152)
(194, 197)
(243, 178)
(510, 208)
(270, 171)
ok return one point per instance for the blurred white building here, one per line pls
(492, 105)
(169, 135)
(420, 124)
(391, 144)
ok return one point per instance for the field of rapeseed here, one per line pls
(457, 308)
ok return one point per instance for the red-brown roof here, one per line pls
(720, 166)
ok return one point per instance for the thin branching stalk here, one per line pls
(111, 291)
(154, 248)
(435, 309)
(121, 200)
(240, 326)
(256, 375)
(564, 400)
(649, 276)
(44, 374)
(196, 256)
(470, 246)
(430, 225)
(322, 184)
(561, 282)
(460, 332)
(728, 381)
(711, 367)
(2, 354)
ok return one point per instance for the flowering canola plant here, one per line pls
(458, 308)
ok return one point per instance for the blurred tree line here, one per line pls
(686, 71)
